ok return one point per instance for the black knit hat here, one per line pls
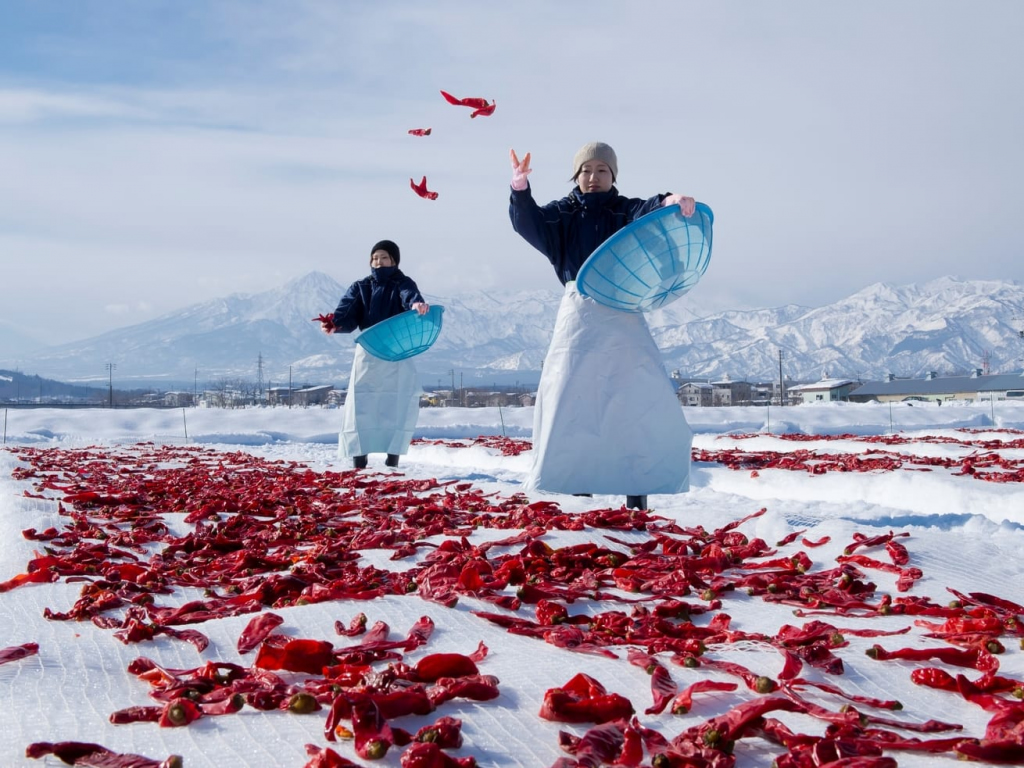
(390, 247)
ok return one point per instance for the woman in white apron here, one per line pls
(607, 419)
(383, 397)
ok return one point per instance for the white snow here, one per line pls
(965, 533)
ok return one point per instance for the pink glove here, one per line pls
(687, 205)
(520, 170)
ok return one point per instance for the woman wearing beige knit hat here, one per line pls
(607, 419)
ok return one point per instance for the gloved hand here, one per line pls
(421, 307)
(687, 205)
(520, 170)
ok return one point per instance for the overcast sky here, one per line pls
(158, 154)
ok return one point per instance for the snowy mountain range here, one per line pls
(945, 325)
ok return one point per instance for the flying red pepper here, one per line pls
(421, 189)
(480, 107)
(419, 132)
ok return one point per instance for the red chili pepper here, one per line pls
(16, 652)
(445, 732)
(419, 131)
(429, 755)
(84, 753)
(179, 712)
(960, 657)
(683, 702)
(143, 714)
(310, 656)
(438, 665)
(584, 700)
(421, 189)
(257, 630)
(475, 688)
(753, 681)
(326, 758)
(370, 730)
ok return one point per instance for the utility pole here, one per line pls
(195, 387)
(289, 386)
(259, 378)
(782, 383)
(452, 399)
(110, 379)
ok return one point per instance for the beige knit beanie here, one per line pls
(595, 150)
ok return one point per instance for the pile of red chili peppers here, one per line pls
(269, 534)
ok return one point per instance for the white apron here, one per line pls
(607, 419)
(381, 406)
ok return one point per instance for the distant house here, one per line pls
(696, 394)
(318, 395)
(976, 386)
(826, 390)
(729, 392)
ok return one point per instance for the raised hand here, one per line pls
(687, 205)
(520, 170)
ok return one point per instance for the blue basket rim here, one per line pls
(627, 231)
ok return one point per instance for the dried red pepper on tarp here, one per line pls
(325, 757)
(86, 754)
(584, 700)
(301, 655)
(257, 630)
(438, 665)
(15, 652)
(430, 755)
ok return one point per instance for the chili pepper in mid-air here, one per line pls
(419, 132)
(480, 107)
(327, 321)
(421, 189)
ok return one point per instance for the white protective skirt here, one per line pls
(607, 419)
(381, 407)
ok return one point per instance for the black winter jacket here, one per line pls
(384, 293)
(567, 231)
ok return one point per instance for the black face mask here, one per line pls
(381, 274)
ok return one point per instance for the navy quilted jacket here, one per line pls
(568, 230)
(384, 293)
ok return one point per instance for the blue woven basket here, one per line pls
(651, 262)
(402, 336)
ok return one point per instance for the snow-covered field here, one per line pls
(965, 533)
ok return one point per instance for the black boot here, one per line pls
(392, 460)
(636, 502)
(359, 462)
